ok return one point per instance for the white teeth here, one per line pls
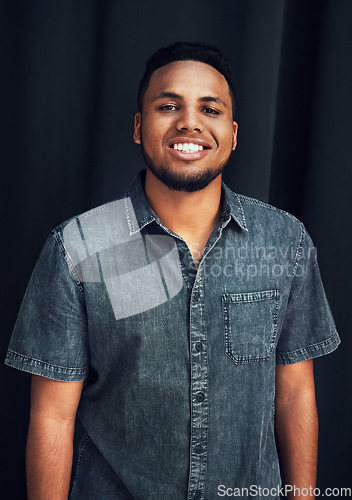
(188, 147)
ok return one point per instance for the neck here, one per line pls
(193, 216)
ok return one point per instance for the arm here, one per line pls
(296, 423)
(50, 437)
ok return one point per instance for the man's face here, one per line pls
(186, 127)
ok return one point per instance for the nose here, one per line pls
(189, 120)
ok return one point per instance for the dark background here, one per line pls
(69, 76)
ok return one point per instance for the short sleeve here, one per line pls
(308, 329)
(50, 335)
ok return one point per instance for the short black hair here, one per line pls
(186, 51)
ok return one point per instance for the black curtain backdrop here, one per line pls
(69, 76)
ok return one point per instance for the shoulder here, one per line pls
(266, 223)
(256, 211)
(97, 229)
(101, 213)
(259, 207)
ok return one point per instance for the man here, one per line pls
(182, 320)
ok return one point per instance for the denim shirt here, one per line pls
(178, 362)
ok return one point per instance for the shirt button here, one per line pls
(198, 346)
(200, 397)
(196, 296)
(198, 449)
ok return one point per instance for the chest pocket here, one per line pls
(250, 325)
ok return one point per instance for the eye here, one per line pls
(167, 107)
(211, 111)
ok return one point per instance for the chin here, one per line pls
(188, 182)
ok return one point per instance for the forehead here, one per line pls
(188, 77)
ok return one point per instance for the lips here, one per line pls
(188, 148)
(183, 141)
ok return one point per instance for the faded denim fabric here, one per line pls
(178, 363)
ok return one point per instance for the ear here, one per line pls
(234, 140)
(137, 128)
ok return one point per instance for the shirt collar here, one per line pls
(139, 213)
(232, 207)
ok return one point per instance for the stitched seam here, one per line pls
(311, 347)
(127, 210)
(14, 355)
(79, 460)
(235, 298)
(236, 357)
(68, 260)
(299, 251)
(242, 212)
(253, 201)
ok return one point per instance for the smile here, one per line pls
(188, 147)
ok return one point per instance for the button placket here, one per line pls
(199, 385)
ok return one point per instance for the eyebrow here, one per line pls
(210, 98)
(173, 95)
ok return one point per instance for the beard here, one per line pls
(183, 181)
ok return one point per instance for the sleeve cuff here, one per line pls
(45, 369)
(309, 352)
